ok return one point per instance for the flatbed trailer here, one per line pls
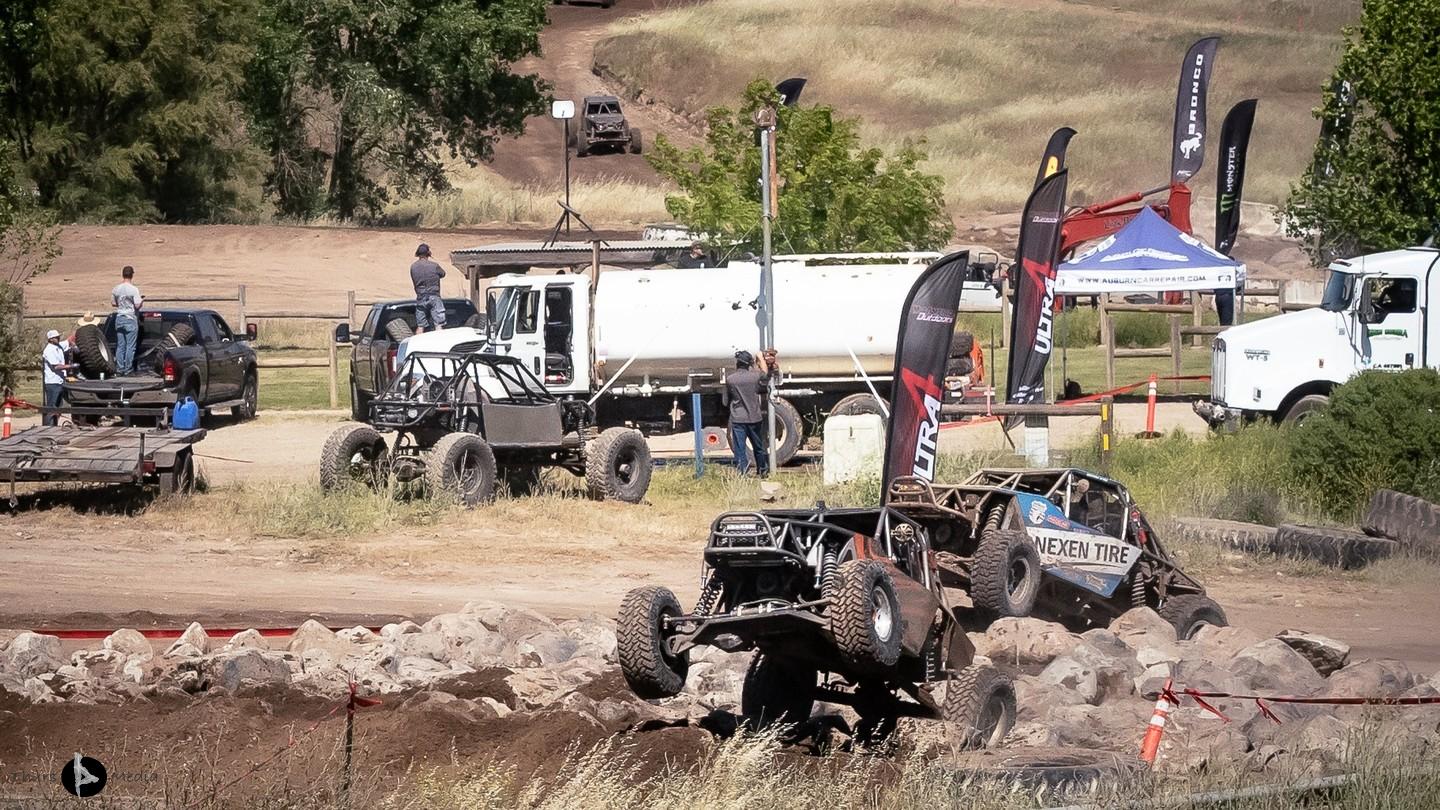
(161, 458)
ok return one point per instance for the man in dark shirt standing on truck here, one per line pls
(744, 394)
(425, 274)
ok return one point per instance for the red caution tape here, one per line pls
(1199, 698)
(1125, 389)
(166, 633)
(20, 404)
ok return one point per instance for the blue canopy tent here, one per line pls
(1148, 255)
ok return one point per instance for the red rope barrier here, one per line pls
(1199, 698)
(167, 633)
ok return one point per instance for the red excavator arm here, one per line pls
(1100, 220)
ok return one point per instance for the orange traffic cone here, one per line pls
(5, 430)
(1150, 432)
(1151, 745)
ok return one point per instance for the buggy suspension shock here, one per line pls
(705, 605)
(1137, 589)
(827, 569)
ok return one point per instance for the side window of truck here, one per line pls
(1392, 295)
(371, 321)
(222, 330)
(528, 319)
(205, 328)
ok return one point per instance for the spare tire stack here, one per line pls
(93, 352)
(1412, 522)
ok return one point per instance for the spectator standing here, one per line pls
(744, 395)
(425, 274)
(128, 302)
(695, 258)
(53, 368)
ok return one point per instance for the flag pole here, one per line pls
(765, 118)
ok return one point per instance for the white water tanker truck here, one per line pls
(638, 343)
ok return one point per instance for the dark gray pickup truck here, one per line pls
(181, 353)
(372, 362)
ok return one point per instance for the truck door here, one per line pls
(362, 359)
(222, 372)
(1394, 331)
(518, 331)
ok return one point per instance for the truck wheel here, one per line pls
(1005, 575)
(249, 398)
(777, 691)
(1405, 518)
(462, 465)
(865, 615)
(93, 352)
(180, 480)
(180, 335)
(857, 405)
(980, 700)
(635, 142)
(1333, 547)
(359, 404)
(640, 644)
(1188, 612)
(354, 454)
(398, 329)
(618, 465)
(582, 147)
(790, 432)
(1304, 408)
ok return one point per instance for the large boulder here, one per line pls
(1036, 698)
(594, 637)
(468, 640)
(535, 688)
(1325, 654)
(232, 670)
(1023, 641)
(31, 654)
(1223, 643)
(446, 705)
(543, 649)
(128, 641)
(1324, 736)
(101, 664)
(1100, 668)
(313, 635)
(1101, 726)
(191, 643)
(247, 640)
(513, 623)
(1384, 678)
(420, 645)
(1140, 627)
(1275, 667)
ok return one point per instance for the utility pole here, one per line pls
(765, 120)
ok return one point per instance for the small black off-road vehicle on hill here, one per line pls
(603, 125)
(840, 605)
(464, 423)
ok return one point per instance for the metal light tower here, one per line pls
(564, 110)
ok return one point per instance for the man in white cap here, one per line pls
(53, 368)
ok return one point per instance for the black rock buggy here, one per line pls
(840, 605)
(464, 423)
(1064, 544)
(603, 126)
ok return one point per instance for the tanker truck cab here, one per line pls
(544, 322)
(1376, 314)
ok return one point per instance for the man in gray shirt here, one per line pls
(425, 274)
(128, 301)
(744, 394)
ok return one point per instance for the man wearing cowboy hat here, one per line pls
(425, 274)
(53, 368)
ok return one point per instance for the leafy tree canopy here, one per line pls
(1375, 181)
(29, 243)
(836, 195)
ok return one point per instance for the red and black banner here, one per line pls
(1033, 326)
(1054, 159)
(1230, 175)
(922, 348)
(1188, 146)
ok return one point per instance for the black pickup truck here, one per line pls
(180, 353)
(372, 361)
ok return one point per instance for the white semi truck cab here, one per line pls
(1376, 314)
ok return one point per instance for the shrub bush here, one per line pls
(1381, 429)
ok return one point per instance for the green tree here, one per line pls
(352, 98)
(1375, 180)
(29, 243)
(124, 109)
(836, 195)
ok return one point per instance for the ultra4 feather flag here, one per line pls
(1033, 326)
(1054, 159)
(1187, 153)
(1230, 180)
(922, 348)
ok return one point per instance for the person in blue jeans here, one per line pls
(53, 367)
(744, 395)
(127, 324)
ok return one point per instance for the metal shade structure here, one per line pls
(1148, 255)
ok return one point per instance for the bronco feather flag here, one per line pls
(1032, 327)
(922, 348)
(1187, 153)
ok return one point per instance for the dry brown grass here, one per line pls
(482, 197)
(985, 84)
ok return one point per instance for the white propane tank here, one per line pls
(681, 322)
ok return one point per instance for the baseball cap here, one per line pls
(423, 250)
(53, 333)
(744, 358)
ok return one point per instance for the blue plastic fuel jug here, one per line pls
(186, 415)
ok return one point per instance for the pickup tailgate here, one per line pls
(134, 389)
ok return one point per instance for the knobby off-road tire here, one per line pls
(618, 465)
(1338, 548)
(398, 329)
(962, 344)
(650, 671)
(180, 335)
(636, 142)
(354, 454)
(980, 701)
(857, 405)
(791, 433)
(1188, 612)
(462, 466)
(777, 691)
(865, 616)
(1407, 519)
(1232, 534)
(1005, 575)
(249, 398)
(93, 352)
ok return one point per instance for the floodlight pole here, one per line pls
(765, 118)
(565, 147)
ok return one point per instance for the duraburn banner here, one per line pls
(922, 348)
(1033, 325)
(1230, 179)
(1188, 147)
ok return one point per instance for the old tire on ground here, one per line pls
(1339, 548)
(636, 143)
(980, 701)
(1305, 407)
(398, 329)
(520, 480)
(865, 615)
(249, 398)
(180, 335)
(962, 344)
(93, 352)
(640, 644)
(1005, 575)
(461, 465)
(353, 454)
(1412, 521)
(1234, 534)
(180, 480)
(618, 465)
(1188, 612)
(1059, 770)
(789, 430)
(777, 691)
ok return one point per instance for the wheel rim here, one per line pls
(883, 617)
(625, 466)
(362, 464)
(466, 471)
(252, 397)
(992, 717)
(1017, 577)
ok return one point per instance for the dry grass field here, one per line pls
(984, 83)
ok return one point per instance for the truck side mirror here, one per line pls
(252, 330)
(342, 333)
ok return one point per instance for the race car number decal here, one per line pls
(1073, 551)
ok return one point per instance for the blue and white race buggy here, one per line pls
(1062, 544)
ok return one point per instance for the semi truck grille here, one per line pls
(1217, 371)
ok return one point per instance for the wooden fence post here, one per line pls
(240, 302)
(349, 307)
(1177, 344)
(1005, 313)
(1105, 325)
(1109, 358)
(1199, 312)
(334, 373)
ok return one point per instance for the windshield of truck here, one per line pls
(1339, 291)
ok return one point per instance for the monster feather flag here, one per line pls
(1032, 327)
(1230, 182)
(922, 348)
(1188, 148)
(1054, 159)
